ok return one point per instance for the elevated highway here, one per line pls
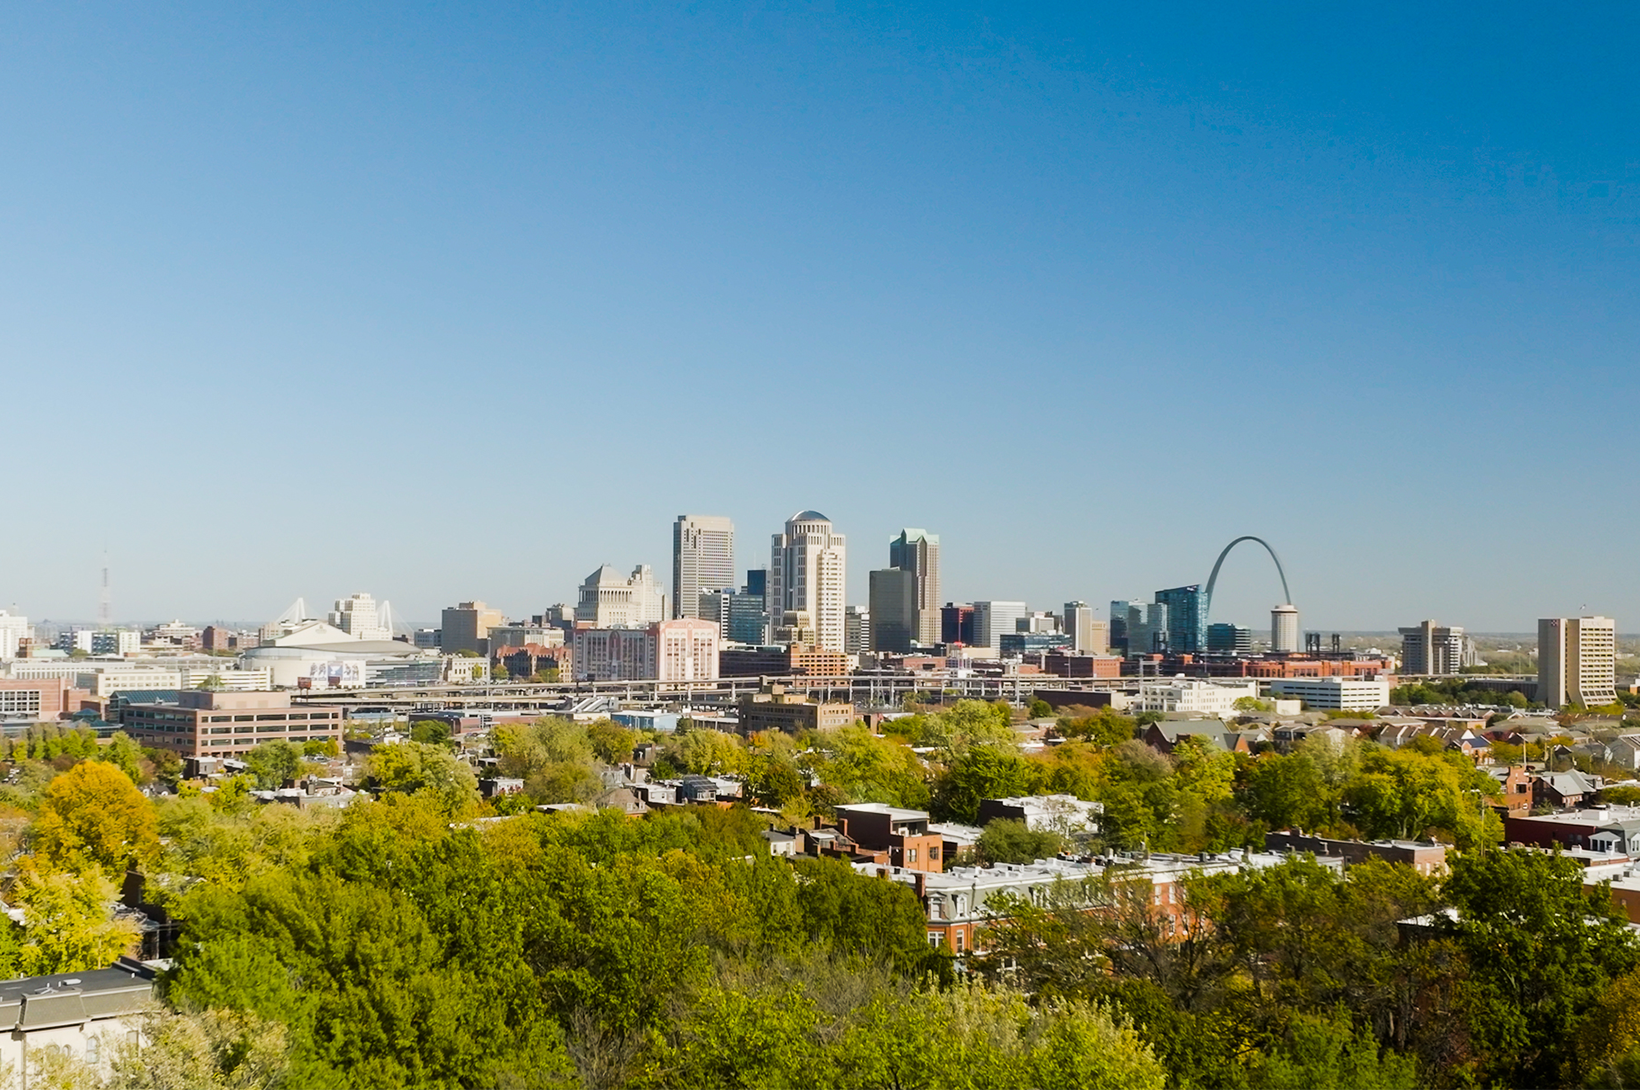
(867, 691)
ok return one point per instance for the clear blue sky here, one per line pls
(442, 301)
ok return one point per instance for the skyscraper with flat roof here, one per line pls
(1122, 612)
(994, 619)
(893, 610)
(1089, 636)
(1429, 648)
(1186, 630)
(1577, 660)
(703, 560)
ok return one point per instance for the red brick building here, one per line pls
(42, 699)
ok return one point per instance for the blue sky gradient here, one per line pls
(444, 301)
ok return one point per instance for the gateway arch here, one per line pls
(1207, 595)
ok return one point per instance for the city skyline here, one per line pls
(1240, 598)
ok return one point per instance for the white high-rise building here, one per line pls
(13, 630)
(360, 617)
(1577, 659)
(703, 560)
(1429, 648)
(808, 572)
(1284, 629)
(609, 601)
(994, 619)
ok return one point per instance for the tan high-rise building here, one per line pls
(918, 552)
(1089, 636)
(703, 560)
(466, 627)
(808, 573)
(1577, 661)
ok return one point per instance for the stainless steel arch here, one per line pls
(1207, 597)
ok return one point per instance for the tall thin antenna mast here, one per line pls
(105, 605)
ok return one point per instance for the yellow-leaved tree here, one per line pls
(94, 816)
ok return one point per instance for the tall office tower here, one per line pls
(1186, 627)
(703, 560)
(1229, 639)
(808, 569)
(1121, 610)
(918, 552)
(957, 623)
(1284, 629)
(466, 627)
(358, 616)
(993, 620)
(747, 621)
(1089, 635)
(1577, 661)
(608, 601)
(1428, 648)
(757, 584)
(856, 630)
(1147, 628)
(893, 610)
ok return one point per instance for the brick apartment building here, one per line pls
(206, 724)
(39, 699)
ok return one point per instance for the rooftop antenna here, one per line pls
(105, 604)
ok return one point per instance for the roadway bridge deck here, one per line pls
(867, 691)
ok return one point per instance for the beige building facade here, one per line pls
(1577, 661)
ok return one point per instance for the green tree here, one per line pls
(1403, 793)
(1540, 955)
(1105, 727)
(274, 764)
(415, 769)
(611, 742)
(126, 755)
(1328, 1050)
(710, 752)
(862, 767)
(977, 773)
(1007, 841)
(431, 732)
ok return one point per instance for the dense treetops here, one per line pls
(426, 937)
